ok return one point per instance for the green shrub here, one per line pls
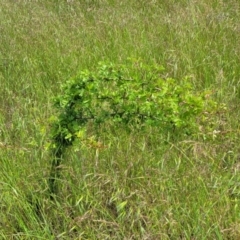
(136, 95)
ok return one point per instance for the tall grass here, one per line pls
(139, 185)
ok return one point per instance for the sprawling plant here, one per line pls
(135, 95)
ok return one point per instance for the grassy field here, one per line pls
(139, 186)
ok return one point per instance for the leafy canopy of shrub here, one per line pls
(136, 95)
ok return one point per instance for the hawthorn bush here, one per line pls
(135, 95)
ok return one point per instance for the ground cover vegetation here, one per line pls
(150, 153)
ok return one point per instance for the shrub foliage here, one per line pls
(136, 95)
